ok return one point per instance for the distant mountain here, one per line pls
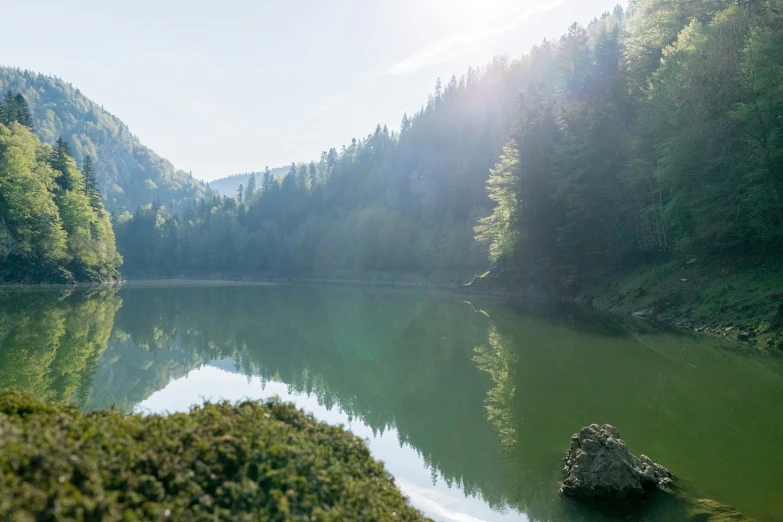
(229, 185)
(129, 174)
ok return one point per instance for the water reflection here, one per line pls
(706, 409)
(50, 341)
(471, 404)
(399, 361)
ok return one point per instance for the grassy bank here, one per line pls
(245, 462)
(738, 300)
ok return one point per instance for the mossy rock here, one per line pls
(239, 462)
(706, 510)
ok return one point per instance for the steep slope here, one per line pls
(128, 173)
(53, 227)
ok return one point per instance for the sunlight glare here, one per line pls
(478, 14)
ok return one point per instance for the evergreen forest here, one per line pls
(653, 134)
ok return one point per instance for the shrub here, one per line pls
(243, 462)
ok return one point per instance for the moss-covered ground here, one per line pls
(233, 462)
(739, 300)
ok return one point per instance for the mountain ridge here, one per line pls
(128, 172)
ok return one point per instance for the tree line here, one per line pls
(53, 227)
(402, 201)
(651, 134)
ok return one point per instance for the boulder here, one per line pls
(599, 465)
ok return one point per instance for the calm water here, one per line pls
(471, 404)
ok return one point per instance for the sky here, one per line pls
(225, 87)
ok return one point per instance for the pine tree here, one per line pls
(301, 177)
(240, 193)
(250, 190)
(406, 123)
(452, 86)
(9, 104)
(267, 181)
(91, 184)
(312, 175)
(23, 114)
(59, 162)
(331, 157)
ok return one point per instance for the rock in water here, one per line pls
(599, 465)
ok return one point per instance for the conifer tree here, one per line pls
(9, 104)
(312, 176)
(331, 157)
(22, 110)
(59, 162)
(301, 177)
(91, 184)
(406, 123)
(250, 191)
(266, 182)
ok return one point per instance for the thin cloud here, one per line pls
(435, 502)
(452, 46)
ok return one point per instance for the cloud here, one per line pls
(434, 502)
(454, 45)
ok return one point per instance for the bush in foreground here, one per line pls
(249, 461)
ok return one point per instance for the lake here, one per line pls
(469, 401)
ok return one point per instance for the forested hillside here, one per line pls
(229, 185)
(403, 201)
(653, 135)
(658, 136)
(128, 173)
(53, 227)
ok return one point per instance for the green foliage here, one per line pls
(51, 229)
(29, 213)
(645, 136)
(88, 171)
(249, 461)
(9, 108)
(128, 173)
(15, 108)
(659, 136)
(51, 341)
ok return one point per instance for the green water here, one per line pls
(470, 404)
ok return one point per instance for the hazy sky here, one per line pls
(230, 86)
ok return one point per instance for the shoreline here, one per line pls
(760, 333)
